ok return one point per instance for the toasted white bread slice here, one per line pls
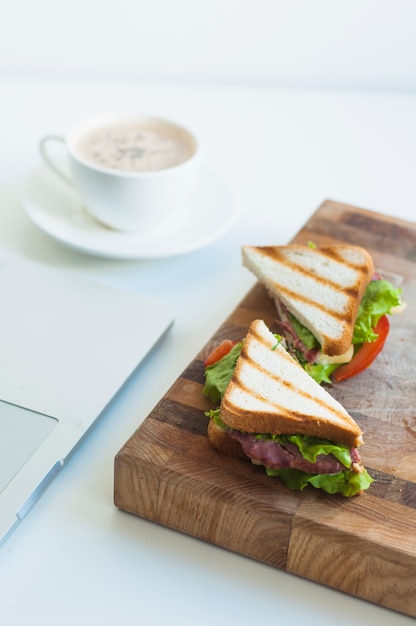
(322, 287)
(271, 393)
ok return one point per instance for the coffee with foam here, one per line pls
(136, 146)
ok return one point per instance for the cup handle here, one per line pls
(48, 160)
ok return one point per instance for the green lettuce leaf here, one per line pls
(304, 333)
(311, 447)
(320, 372)
(378, 300)
(218, 375)
(347, 483)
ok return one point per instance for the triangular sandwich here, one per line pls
(329, 302)
(273, 413)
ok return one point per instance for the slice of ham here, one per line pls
(274, 455)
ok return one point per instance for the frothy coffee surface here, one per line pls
(136, 146)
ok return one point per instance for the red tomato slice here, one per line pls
(365, 355)
(221, 350)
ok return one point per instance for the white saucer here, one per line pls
(56, 209)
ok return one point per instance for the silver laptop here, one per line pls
(67, 346)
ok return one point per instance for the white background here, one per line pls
(354, 44)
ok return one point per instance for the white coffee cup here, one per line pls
(133, 173)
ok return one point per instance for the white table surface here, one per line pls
(77, 559)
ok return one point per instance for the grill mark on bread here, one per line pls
(351, 292)
(268, 375)
(332, 253)
(284, 410)
(345, 315)
(279, 254)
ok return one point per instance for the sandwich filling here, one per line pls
(281, 452)
(299, 461)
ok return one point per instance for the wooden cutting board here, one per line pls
(366, 545)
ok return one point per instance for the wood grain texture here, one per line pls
(365, 546)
